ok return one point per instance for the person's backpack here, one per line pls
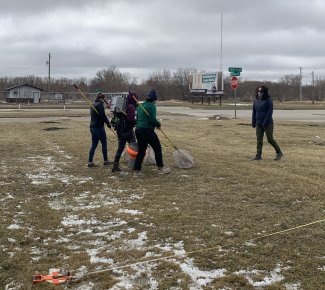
(119, 120)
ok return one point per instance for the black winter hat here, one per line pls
(152, 96)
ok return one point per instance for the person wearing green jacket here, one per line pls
(145, 134)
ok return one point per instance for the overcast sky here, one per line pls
(267, 38)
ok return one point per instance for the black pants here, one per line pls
(269, 135)
(123, 137)
(147, 136)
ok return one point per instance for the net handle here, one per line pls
(175, 147)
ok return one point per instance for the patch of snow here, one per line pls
(199, 277)
(130, 211)
(55, 194)
(13, 227)
(13, 286)
(273, 277)
(72, 220)
(94, 259)
(229, 233)
(140, 241)
(292, 286)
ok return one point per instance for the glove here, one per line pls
(253, 125)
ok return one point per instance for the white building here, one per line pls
(23, 94)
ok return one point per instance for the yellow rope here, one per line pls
(201, 250)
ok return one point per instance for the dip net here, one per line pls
(183, 159)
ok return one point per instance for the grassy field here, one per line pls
(58, 214)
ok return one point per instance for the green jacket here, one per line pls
(149, 120)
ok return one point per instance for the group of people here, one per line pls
(143, 117)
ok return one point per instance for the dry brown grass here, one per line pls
(225, 201)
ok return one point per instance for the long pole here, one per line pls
(221, 78)
(49, 77)
(313, 83)
(300, 85)
(235, 94)
(221, 26)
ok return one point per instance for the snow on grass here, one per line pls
(14, 286)
(73, 220)
(58, 149)
(269, 278)
(14, 227)
(139, 242)
(97, 230)
(130, 211)
(94, 259)
(292, 286)
(200, 278)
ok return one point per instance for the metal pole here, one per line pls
(221, 78)
(300, 85)
(49, 77)
(221, 42)
(235, 94)
(313, 83)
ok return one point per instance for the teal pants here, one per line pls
(269, 135)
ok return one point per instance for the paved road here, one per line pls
(280, 115)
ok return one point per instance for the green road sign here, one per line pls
(234, 69)
(235, 74)
(208, 78)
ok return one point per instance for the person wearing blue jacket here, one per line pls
(97, 120)
(263, 122)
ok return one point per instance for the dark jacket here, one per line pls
(126, 120)
(262, 111)
(98, 118)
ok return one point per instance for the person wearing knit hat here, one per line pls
(124, 127)
(145, 134)
(152, 96)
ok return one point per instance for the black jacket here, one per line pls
(98, 117)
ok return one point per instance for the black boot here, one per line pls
(258, 156)
(278, 156)
(116, 167)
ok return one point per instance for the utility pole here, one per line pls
(221, 78)
(300, 84)
(48, 63)
(221, 41)
(313, 84)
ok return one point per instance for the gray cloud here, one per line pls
(268, 39)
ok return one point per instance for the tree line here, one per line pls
(169, 85)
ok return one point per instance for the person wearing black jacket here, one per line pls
(97, 130)
(263, 122)
(124, 127)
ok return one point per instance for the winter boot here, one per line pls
(278, 156)
(258, 156)
(116, 167)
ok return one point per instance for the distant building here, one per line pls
(23, 94)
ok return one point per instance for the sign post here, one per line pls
(234, 72)
(234, 86)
